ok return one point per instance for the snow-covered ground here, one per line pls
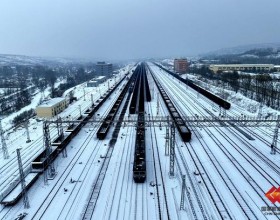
(227, 175)
(239, 99)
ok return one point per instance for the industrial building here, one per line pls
(180, 65)
(96, 81)
(244, 67)
(104, 69)
(51, 108)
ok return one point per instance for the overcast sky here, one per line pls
(122, 29)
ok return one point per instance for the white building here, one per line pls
(50, 108)
(243, 67)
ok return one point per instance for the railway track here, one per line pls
(66, 173)
(119, 182)
(246, 144)
(78, 198)
(159, 180)
(87, 214)
(119, 83)
(203, 213)
(238, 112)
(245, 174)
(29, 153)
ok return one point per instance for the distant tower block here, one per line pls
(104, 69)
(3, 141)
(181, 66)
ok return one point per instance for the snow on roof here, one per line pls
(51, 102)
(242, 65)
(99, 77)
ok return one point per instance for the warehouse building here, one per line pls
(244, 67)
(180, 66)
(51, 108)
(104, 69)
(96, 81)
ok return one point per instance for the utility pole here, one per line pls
(260, 110)
(84, 94)
(172, 150)
(157, 104)
(22, 180)
(58, 126)
(91, 97)
(167, 138)
(3, 141)
(80, 109)
(183, 192)
(275, 137)
(27, 131)
(153, 90)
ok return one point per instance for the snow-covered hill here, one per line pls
(11, 60)
(242, 49)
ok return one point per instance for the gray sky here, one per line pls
(121, 29)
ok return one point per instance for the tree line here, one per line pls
(21, 82)
(261, 87)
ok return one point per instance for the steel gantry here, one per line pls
(49, 172)
(275, 137)
(167, 138)
(192, 121)
(172, 150)
(158, 121)
(22, 181)
(60, 134)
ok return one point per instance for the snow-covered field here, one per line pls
(227, 175)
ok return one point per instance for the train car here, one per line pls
(139, 165)
(41, 161)
(14, 195)
(219, 101)
(133, 103)
(147, 88)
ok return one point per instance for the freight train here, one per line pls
(182, 128)
(40, 163)
(105, 127)
(139, 165)
(219, 101)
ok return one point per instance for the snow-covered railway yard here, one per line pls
(228, 170)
